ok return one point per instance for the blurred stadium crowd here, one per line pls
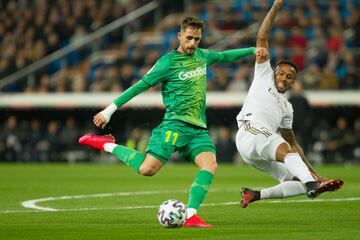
(321, 37)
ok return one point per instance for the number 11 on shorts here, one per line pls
(173, 135)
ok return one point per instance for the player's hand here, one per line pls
(262, 52)
(99, 120)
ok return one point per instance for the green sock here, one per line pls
(199, 188)
(129, 156)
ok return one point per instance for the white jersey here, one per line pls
(264, 106)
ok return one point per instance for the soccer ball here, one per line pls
(172, 213)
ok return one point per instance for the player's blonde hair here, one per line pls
(193, 23)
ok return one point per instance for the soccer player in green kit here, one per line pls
(182, 73)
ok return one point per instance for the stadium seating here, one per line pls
(321, 36)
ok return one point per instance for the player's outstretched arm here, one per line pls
(102, 118)
(264, 30)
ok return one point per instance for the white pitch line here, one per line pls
(32, 204)
(204, 205)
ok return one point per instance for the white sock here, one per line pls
(109, 147)
(298, 168)
(190, 212)
(283, 190)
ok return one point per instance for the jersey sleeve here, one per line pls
(131, 92)
(157, 73)
(229, 55)
(262, 72)
(262, 69)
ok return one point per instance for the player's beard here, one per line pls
(190, 50)
(186, 50)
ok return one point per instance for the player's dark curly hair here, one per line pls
(192, 22)
(288, 62)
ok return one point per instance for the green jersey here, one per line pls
(183, 79)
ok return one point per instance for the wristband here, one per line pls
(108, 111)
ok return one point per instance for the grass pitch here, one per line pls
(113, 202)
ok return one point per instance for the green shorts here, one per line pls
(174, 135)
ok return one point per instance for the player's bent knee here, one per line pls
(214, 167)
(206, 161)
(147, 171)
(210, 166)
(283, 150)
(150, 166)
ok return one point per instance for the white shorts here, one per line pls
(257, 147)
